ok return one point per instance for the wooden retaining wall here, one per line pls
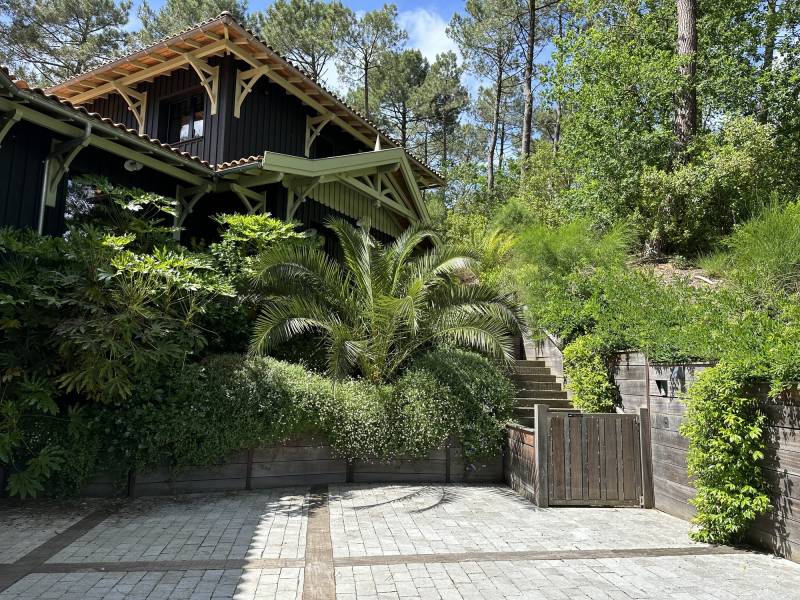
(301, 462)
(661, 387)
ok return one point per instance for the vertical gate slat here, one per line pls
(637, 459)
(576, 457)
(628, 460)
(601, 430)
(612, 460)
(620, 460)
(557, 457)
(567, 461)
(585, 424)
(593, 458)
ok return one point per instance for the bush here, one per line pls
(763, 255)
(725, 428)
(587, 376)
(201, 413)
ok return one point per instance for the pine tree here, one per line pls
(487, 38)
(308, 32)
(176, 15)
(396, 86)
(369, 40)
(48, 41)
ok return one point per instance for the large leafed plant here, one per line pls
(381, 304)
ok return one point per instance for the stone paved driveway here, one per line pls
(376, 542)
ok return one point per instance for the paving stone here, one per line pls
(238, 525)
(385, 520)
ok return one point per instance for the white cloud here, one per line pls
(427, 31)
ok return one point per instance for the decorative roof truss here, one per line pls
(209, 78)
(314, 126)
(7, 121)
(245, 81)
(136, 101)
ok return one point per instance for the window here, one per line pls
(186, 119)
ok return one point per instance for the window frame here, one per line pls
(172, 101)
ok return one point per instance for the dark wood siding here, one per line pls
(22, 157)
(170, 87)
(270, 120)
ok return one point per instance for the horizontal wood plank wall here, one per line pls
(779, 529)
(301, 462)
(520, 461)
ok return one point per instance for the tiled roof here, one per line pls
(23, 86)
(227, 18)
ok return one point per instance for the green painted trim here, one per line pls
(362, 163)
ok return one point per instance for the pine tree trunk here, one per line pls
(404, 126)
(366, 89)
(686, 108)
(770, 34)
(527, 80)
(502, 146)
(498, 98)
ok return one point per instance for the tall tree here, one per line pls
(176, 15)
(368, 41)
(442, 100)
(486, 36)
(686, 105)
(48, 41)
(533, 27)
(396, 85)
(309, 32)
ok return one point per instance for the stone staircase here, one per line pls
(535, 385)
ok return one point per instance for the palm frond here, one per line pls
(356, 244)
(284, 318)
(302, 269)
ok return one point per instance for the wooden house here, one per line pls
(216, 119)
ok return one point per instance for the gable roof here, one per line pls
(19, 101)
(224, 35)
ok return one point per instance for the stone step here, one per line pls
(539, 385)
(529, 371)
(541, 394)
(528, 363)
(529, 409)
(521, 380)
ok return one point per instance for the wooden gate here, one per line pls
(597, 459)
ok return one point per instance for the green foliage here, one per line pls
(763, 255)
(203, 412)
(479, 397)
(730, 176)
(725, 427)
(587, 376)
(174, 16)
(383, 305)
(306, 31)
(49, 41)
(85, 318)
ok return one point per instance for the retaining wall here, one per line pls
(301, 462)
(660, 387)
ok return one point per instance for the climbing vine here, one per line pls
(725, 427)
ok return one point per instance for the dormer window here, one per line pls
(186, 118)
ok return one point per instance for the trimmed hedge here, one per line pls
(208, 410)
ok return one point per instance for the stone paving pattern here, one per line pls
(23, 528)
(414, 519)
(377, 534)
(198, 527)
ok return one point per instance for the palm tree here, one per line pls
(383, 304)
